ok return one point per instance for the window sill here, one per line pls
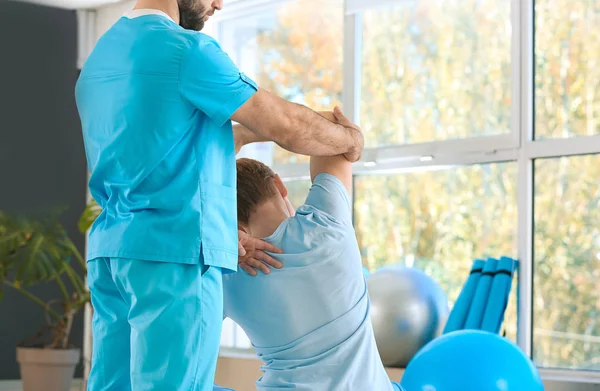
(241, 353)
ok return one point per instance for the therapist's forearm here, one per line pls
(298, 128)
(303, 131)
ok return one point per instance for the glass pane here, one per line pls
(294, 50)
(297, 191)
(232, 335)
(439, 222)
(567, 68)
(435, 70)
(567, 263)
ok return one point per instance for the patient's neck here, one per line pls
(265, 220)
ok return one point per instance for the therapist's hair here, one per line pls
(254, 187)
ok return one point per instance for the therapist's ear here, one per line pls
(280, 186)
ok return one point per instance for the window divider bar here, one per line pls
(558, 147)
(352, 66)
(525, 187)
(516, 64)
(525, 250)
(298, 171)
(352, 70)
(570, 375)
(457, 148)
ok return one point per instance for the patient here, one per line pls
(308, 321)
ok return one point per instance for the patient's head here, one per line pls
(262, 202)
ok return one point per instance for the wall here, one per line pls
(106, 16)
(42, 161)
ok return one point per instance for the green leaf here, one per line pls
(91, 212)
(33, 250)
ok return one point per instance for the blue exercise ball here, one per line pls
(471, 360)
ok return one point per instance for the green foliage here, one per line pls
(37, 250)
(32, 250)
(89, 215)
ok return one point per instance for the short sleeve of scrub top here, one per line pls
(212, 82)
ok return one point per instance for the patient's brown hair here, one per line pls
(254, 187)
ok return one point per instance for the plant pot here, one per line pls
(47, 369)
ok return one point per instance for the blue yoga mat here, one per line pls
(481, 296)
(458, 316)
(498, 297)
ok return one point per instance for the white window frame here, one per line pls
(518, 146)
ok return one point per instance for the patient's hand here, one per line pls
(336, 116)
(328, 115)
(252, 255)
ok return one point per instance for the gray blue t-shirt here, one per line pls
(309, 321)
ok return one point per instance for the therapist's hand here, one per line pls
(252, 255)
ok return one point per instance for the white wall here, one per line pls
(106, 16)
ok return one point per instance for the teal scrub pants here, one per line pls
(156, 325)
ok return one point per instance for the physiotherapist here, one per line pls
(156, 99)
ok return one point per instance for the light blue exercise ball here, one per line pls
(471, 360)
(408, 310)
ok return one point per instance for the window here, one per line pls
(293, 49)
(297, 191)
(435, 70)
(567, 262)
(232, 336)
(482, 125)
(439, 221)
(567, 66)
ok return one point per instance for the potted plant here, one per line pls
(34, 251)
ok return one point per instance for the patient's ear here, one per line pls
(243, 228)
(280, 186)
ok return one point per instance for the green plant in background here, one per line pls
(38, 250)
(89, 215)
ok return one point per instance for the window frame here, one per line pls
(519, 145)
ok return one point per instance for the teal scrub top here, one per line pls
(310, 320)
(155, 102)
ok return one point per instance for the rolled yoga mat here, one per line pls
(493, 315)
(481, 297)
(459, 313)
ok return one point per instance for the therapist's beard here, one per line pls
(191, 14)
